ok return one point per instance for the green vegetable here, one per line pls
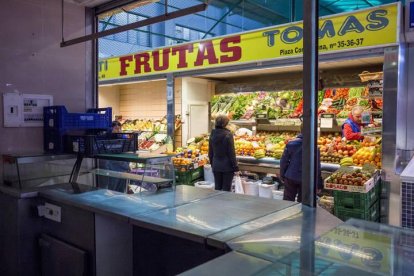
(356, 92)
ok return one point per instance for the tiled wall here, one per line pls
(148, 100)
(407, 210)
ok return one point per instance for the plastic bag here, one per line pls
(238, 185)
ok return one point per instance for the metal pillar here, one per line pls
(170, 107)
(310, 124)
(394, 129)
(310, 102)
(292, 10)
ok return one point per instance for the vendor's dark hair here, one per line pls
(116, 124)
(222, 121)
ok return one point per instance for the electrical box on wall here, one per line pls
(24, 110)
(409, 21)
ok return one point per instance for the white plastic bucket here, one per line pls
(250, 188)
(208, 173)
(277, 194)
(204, 184)
(265, 190)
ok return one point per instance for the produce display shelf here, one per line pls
(273, 161)
(243, 122)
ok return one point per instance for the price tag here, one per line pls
(327, 120)
(366, 117)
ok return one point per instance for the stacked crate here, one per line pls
(189, 176)
(358, 205)
(58, 122)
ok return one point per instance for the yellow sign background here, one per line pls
(361, 29)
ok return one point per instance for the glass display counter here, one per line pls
(133, 173)
(22, 171)
(355, 247)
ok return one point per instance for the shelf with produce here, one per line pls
(360, 180)
(151, 140)
(145, 125)
(243, 122)
(242, 108)
(278, 128)
(276, 162)
(334, 129)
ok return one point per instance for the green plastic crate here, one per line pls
(370, 214)
(189, 177)
(360, 201)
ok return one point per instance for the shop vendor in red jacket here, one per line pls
(351, 129)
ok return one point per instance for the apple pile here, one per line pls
(333, 149)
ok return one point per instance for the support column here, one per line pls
(310, 101)
(170, 107)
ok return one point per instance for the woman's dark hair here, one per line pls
(222, 121)
(116, 124)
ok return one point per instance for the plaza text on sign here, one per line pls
(362, 29)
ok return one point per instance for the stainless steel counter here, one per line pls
(200, 219)
(265, 236)
(122, 206)
(285, 236)
(233, 263)
(353, 248)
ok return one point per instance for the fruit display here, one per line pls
(149, 125)
(147, 145)
(151, 141)
(188, 159)
(275, 150)
(333, 149)
(349, 176)
(178, 161)
(368, 155)
(260, 153)
(346, 162)
(204, 147)
(243, 147)
(289, 104)
(247, 105)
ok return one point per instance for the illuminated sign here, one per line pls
(360, 29)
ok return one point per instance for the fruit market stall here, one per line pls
(273, 119)
(152, 133)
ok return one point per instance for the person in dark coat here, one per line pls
(291, 170)
(222, 155)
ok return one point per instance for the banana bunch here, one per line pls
(278, 154)
(259, 154)
(346, 162)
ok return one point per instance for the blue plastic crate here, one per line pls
(53, 140)
(57, 117)
(89, 145)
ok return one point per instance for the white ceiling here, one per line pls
(298, 68)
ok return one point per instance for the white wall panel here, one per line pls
(32, 61)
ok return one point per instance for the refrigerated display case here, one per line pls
(134, 173)
(25, 171)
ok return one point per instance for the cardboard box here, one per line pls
(351, 188)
